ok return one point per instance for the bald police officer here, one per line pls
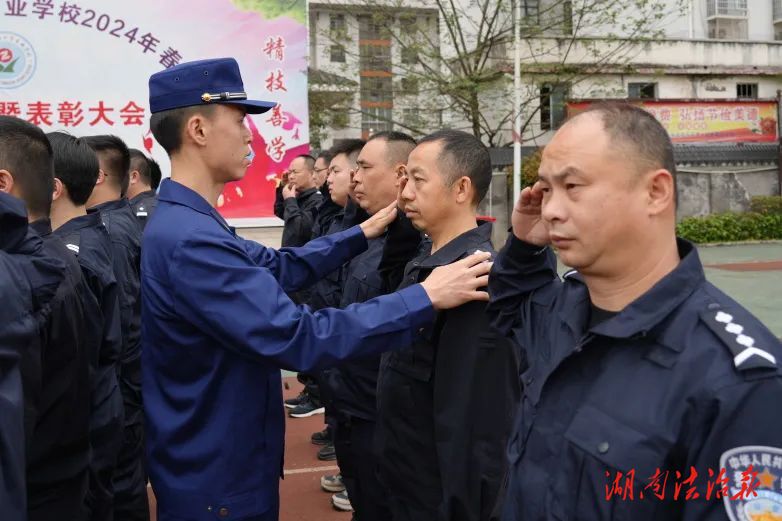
(217, 322)
(643, 380)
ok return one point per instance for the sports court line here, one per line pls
(307, 470)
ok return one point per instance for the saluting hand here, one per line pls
(528, 223)
(455, 284)
(377, 224)
(288, 191)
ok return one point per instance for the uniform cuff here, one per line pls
(418, 304)
(518, 248)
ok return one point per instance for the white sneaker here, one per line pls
(341, 502)
(332, 483)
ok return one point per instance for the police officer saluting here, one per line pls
(217, 323)
(643, 380)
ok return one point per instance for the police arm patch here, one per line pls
(757, 466)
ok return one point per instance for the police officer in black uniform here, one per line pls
(28, 282)
(76, 171)
(443, 422)
(108, 197)
(58, 457)
(141, 185)
(300, 202)
(352, 385)
(648, 393)
(328, 209)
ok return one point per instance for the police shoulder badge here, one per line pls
(754, 475)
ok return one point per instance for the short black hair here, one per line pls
(349, 147)
(155, 175)
(27, 155)
(308, 160)
(167, 126)
(75, 165)
(116, 156)
(326, 155)
(637, 131)
(464, 155)
(399, 145)
(140, 163)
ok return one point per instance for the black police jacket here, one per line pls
(683, 380)
(445, 405)
(28, 282)
(59, 451)
(88, 240)
(125, 234)
(351, 387)
(327, 292)
(300, 214)
(328, 210)
(143, 206)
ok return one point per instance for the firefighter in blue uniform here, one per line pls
(76, 170)
(640, 376)
(217, 325)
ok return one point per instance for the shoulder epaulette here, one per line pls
(746, 355)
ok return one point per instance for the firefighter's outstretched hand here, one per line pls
(377, 224)
(455, 284)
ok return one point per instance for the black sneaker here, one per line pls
(321, 438)
(292, 403)
(307, 407)
(327, 453)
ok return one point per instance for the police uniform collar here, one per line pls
(177, 193)
(464, 243)
(13, 221)
(42, 227)
(90, 220)
(308, 192)
(650, 309)
(142, 195)
(109, 206)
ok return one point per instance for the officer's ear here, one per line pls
(6, 181)
(59, 189)
(134, 177)
(101, 177)
(463, 190)
(661, 191)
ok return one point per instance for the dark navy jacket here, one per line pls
(327, 212)
(125, 233)
(300, 214)
(351, 387)
(217, 328)
(28, 282)
(88, 240)
(59, 455)
(683, 379)
(446, 405)
(143, 206)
